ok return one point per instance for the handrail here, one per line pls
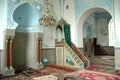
(81, 55)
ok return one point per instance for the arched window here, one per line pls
(111, 33)
(59, 34)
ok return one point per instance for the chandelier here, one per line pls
(47, 19)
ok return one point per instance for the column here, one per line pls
(9, 57)
(38, 50)
(40, 60)
(39, 55)
(11, 53)
(7, 64)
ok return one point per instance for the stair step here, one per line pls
(106, 60)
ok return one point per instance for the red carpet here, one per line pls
(92, 75)
(102, 68)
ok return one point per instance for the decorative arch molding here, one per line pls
(27, 18)
(14, 4)
(79, 25)
(81, 9)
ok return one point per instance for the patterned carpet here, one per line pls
(30, 74)
(54, 71)
(17, 77)
(102, 68)
(92, 75)
(105, 64)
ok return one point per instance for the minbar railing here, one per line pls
(81, 55)
(74, 56)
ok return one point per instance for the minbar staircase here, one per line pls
(75, 54)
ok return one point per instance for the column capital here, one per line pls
(40, 41)
(7, 37)
(6, 40)
(12, 37)
(11, 40)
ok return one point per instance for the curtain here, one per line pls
(67, 34)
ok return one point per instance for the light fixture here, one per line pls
(47, 19)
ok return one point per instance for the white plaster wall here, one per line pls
(117, 22)
(102, 32)
(57, 9)
(48, 38)
(3, 23)
(90, 21)
(69, 16)
(3, 12)
(1, 39)
(3, 56)
(0, 61)
(117, 30)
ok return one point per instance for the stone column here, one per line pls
(39, 54)
(11, 54)
(7, 57)
(40, 60)
(7, 64)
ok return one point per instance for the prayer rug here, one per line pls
(17, 77)
(102, 68)
(46, 77)
(92, 75)
(52, 71)
(64, 68)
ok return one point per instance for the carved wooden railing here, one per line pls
(81, 55)
(73, 54)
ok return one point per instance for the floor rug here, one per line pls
(17, 77)
(64, 68)
(102, 68)
(92, 75)
(52, 71)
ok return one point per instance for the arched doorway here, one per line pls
(94, 24)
